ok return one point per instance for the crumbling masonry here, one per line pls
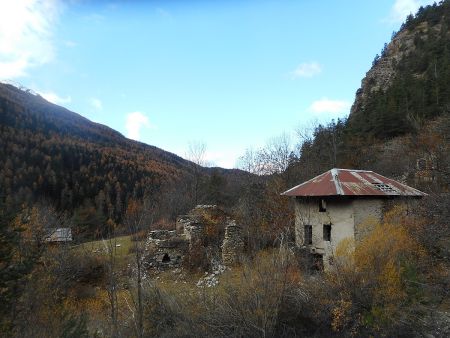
(233, 245)
(204, 226)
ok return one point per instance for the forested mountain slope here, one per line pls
(87, 168)
(409, 83)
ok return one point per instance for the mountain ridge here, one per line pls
(52, 153)
(41, 105)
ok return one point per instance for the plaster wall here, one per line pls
(338, 213)
(366, 213)
(348, 219)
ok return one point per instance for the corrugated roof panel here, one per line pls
(348, 182)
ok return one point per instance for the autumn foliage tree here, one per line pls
(35, 277)
(377, 286)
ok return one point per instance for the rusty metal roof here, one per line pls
(349, 182)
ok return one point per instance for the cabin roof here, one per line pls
(351, 182)
(59, 235)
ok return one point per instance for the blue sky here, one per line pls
(231, 74)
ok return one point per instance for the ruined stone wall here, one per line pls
(165, 249)
(199, 234)
(194, 232)
(233, 245)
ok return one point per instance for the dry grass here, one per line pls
(122, 245)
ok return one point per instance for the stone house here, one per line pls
(335, 205)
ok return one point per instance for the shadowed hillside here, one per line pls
(91, 170)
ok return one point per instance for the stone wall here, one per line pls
(233, 244)
(165, 249)
(205, 231)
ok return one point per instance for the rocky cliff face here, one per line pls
(430, 24)
(380, 76)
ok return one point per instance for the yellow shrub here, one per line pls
(372, 273)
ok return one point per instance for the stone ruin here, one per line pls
(165, 249)
(233, 245)
(206, 228)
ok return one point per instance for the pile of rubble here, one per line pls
(211, 279)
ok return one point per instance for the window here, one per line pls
(308, 235)
(322, 206)
(327, 232)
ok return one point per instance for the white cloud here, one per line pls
(136, 121)
(225, 158)
(217, 157)
(96, 103)
(26, 35)
(307, 69)
(326, 105)
(402, 8)
(54, 98)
